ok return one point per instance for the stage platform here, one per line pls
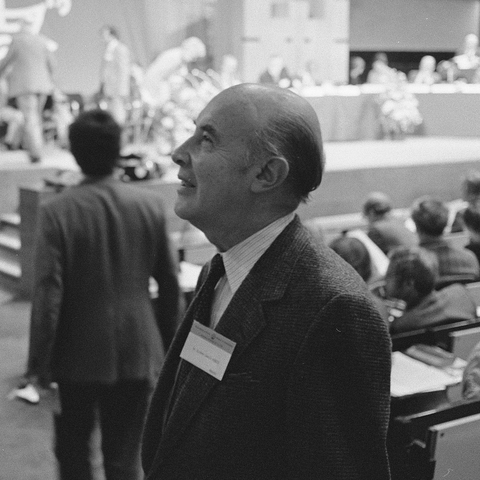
(16, 171)
(405, 169)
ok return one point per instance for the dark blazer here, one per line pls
(306, 393)
(92, 317)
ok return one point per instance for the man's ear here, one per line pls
(269, 174)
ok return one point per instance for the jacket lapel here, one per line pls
(241, 322)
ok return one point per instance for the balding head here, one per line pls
(286, 126)
(255, 154)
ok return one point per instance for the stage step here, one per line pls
(10, 219)
(10, 245)
(10, 274)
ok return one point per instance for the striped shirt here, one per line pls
(239, 260)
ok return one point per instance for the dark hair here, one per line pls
(378, 203)
(95, 142)
(430, 216)
(471, 184)
(289, 136)
(414, 263)
(471, 218)
(111, 30)
(354, 252)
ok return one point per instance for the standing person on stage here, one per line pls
(115, 74)
(286, 374)
(93, 329)
(29, 67)
(173, 61)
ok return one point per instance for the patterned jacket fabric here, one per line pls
(307, 391)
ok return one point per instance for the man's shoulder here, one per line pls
(118, 192)
(322, 272)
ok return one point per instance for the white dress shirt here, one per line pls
(239, 260)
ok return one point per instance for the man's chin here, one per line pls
(183, 211)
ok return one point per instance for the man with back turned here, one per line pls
(93, 327)
(288, 374)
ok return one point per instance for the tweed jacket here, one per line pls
(454, 264)
(92, 316)
(29, 65)
(306, 393)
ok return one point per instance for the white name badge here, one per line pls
(207, 350)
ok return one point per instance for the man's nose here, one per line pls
(180, 155)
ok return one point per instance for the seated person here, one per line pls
(381, 73)
(411, 277)
(470, 197)
(471, 376)
(357, 71)
(276, 73)
(467, 59)
(426, 74)
(354, 252)
(430, 217)
(471, 219)
(384, 229)
(363, 255)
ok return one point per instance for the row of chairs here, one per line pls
(456, 337)
(441, 439)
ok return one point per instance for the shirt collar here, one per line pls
(241, 258)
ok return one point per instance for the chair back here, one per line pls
(473, 290)
(453, 447)
(464, 341)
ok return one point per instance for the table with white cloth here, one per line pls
(351, 112)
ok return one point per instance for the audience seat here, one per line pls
(423, 446)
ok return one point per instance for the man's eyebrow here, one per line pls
(207, 127)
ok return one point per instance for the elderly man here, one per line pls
(93, 329)
(287, 376)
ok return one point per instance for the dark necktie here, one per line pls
(205, 295)
(201, 314)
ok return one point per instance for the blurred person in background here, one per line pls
(426, 74)
(115, 74)
(228, 74)
(384, 229)
(29, 68)
(380, 72)
(470, 198)
(471, 220)
(357, 74)
(276, 73)
(174, 61)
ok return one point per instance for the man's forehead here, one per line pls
(225, 111)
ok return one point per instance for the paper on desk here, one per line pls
(410, 376)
